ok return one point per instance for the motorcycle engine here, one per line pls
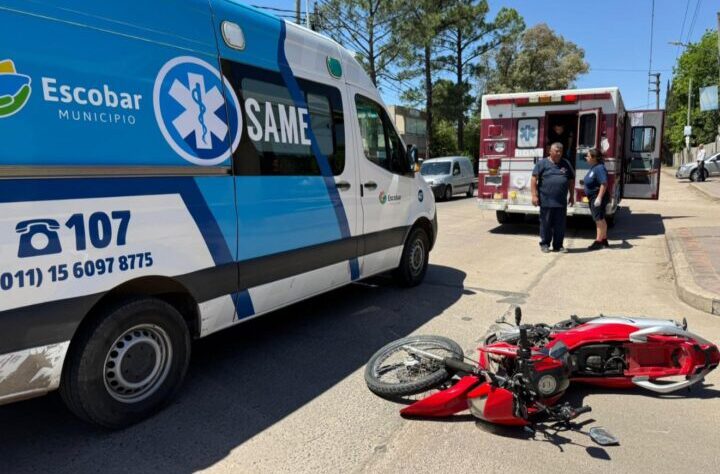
(600, 359)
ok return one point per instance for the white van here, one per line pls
(170, 169)
(450, 175)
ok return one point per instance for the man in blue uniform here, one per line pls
(552, 179)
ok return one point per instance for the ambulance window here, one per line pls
(380, 141)
(279, 132)
(527, 133)
(321, 120)
(642, 139)
(588, 126)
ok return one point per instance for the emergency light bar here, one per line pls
(548, 99)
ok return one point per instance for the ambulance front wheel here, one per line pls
(127, 363)
(414, 260)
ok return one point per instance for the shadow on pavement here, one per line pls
(241, 381)
(629, 226)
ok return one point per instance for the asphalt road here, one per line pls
(285, 393)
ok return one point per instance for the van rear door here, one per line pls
(641, 164)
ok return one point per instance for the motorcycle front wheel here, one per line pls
(396, 371)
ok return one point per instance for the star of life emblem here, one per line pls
(191, 113)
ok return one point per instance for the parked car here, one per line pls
(449, 175)
(690, 171)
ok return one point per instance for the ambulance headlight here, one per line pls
(519, 182)
(499, 147)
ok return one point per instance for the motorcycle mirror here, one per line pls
(603, 437)
(684, 324)
(518, 315)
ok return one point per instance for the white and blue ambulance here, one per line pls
(172, 168)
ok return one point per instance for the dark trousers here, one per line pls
(552, 226)
(701, 171)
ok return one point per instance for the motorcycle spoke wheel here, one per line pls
(396, 371)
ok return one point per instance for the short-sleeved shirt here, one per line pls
(594, 178)
(553, 180)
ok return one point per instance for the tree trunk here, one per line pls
(371, 49)
(461, 91)
(428, 99)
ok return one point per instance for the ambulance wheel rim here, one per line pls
(137, 363)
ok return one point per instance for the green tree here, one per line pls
(467, 36)
(366, 27)
(699, 62)
(539, 60)
(418, 36)
(450, 100)
(444, 140)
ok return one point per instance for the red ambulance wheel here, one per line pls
(414, 261)
(127, 363)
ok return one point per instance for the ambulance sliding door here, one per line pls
(643, 139)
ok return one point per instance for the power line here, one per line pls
(694, 19)
(682, 29)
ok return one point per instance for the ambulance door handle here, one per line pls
(342, 185)
(370, 185)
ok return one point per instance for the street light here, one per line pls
(687, 137)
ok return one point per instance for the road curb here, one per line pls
(687, 289)
(704, 192)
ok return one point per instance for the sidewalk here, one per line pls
(695, 254)
(709, 189)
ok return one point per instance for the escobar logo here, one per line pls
(385, 198)
(14, 89)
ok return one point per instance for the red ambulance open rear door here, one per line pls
(643, 147)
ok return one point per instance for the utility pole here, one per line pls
(655, 89)
(297, 11)
(307, 14)
(687, 137)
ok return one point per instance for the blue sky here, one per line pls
(615, 35)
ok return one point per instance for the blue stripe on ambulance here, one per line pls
(325, 169)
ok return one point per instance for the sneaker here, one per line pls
(562, 250)
(545, 249)
(606, 244)
(595, 245)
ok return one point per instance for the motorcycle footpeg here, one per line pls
(603, 437)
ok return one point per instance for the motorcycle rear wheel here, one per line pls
(394, 372)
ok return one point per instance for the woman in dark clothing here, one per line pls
(596, 191)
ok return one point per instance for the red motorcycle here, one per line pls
(524, 370)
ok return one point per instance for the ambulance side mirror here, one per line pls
(412, 158)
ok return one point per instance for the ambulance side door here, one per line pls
(388, 183)
(641, 163)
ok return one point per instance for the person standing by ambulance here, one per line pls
(552, 179)
(595, 184)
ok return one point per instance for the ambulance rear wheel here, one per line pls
(414, 260)
(127, 363)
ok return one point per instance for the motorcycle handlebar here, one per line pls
(581, 410)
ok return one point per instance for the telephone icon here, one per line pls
(38, 237)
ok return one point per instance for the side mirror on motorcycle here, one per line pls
(518, 315)
(603, 437)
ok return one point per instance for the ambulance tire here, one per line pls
(414, 260)
(148, 328)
